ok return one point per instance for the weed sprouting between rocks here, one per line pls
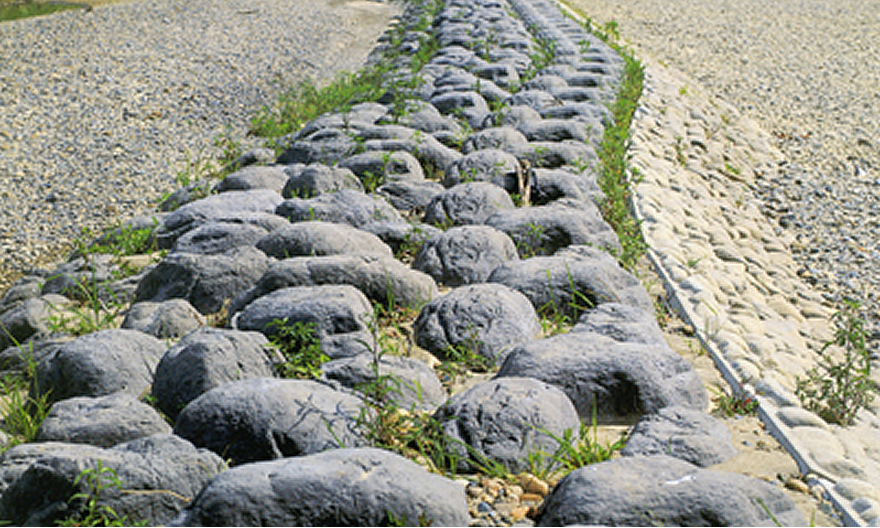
(22, 413)
(840, 386)
(300, 345)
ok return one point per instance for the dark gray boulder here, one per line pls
(317, 238)
(555, 130)
(356, 117)
(16, 460)
(614, 380)
(489, 165)
(206, 281)
(464, 255)
(345, 206)
(542, 230)
(214, 238)
(503, 420)
(467, 203)
(343, 487)
(404, 238)
(555, 154)
(686, 434)
(326, 145)
(341, 315)
(251, 177)
(664, 491)
(27, 287)
(99, 364)
(218, 207)
(205, 359)
(308, 181)
(469, 105)
(621, 322)
(514, 115)
(410, 196)
(378, 167)
(503, 138)
(169, 319)
(25, 319)
(414, 385)
(159, 475)
(383, 280)
(535, 99)
(589, 112)
(570, 285)
(425, 117)
(15, 360)
(103, 421)
(431, 153)
(263, 419)
(547, 81)
(548, 185)
(489, 319)
(501, 73)
(255, 156)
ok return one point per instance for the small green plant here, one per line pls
(230, 151)
(530, 243)
(730, 404)
(91, 314)
(838, 387)
(120, 240)
(413, 241)
(680, 156)
(736, 171)
(543, 56)
(558, 317)
(196, 168)
(22, 414)
(300, 345)
(462, 359)
(91, 512)
(574, 450)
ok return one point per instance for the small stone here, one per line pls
(532, 484)
(519, 513)
(493, 486)
(474, 491)
(531, 498)
(796, 484)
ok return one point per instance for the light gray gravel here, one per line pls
(100, 110)
(808, 72)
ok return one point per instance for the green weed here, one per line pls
(838, 387)
(91, 512)
(300, 345)
(729, 404)
(21, 413)
(91, 313)
(574, 451)
(612, 151)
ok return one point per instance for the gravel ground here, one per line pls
(808, 72)
(100, 110)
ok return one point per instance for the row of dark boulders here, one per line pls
(484, 188)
